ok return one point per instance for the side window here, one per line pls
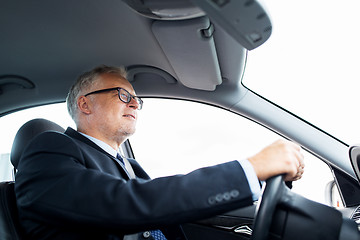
(10, 124)
(176, 137)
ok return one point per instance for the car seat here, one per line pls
(10, 228)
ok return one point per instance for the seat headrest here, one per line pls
(26, 133)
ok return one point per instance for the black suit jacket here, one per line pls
(69, 188)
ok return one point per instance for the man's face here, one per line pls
(112, 119)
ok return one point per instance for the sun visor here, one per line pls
(190, 49)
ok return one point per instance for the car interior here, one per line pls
(190, 50)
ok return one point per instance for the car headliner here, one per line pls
(45, 45)
(51, 43)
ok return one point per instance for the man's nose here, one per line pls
(133, 103)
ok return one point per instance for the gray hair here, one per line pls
(84, 82)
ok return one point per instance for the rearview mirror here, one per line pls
(245, 20)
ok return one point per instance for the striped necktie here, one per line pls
(118, 157)
(158, 235)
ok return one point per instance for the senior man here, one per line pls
(77, 186)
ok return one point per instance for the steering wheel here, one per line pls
(273, 192)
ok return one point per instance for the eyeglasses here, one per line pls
(124, 95)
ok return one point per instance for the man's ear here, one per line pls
(84, 104)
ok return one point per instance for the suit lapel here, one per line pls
(74, 134)
(174, 232)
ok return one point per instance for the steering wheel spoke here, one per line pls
(271, 197)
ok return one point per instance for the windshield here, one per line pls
(310, 64)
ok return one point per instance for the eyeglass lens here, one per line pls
(125, 96)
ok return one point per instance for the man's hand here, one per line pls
(281, 157)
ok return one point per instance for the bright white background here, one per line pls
(310, 64)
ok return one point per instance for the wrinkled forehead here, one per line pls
(111, 80)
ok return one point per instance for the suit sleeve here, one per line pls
(53, 185)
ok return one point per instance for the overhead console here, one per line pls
(245, 20)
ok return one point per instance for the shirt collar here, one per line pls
(106, 147)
